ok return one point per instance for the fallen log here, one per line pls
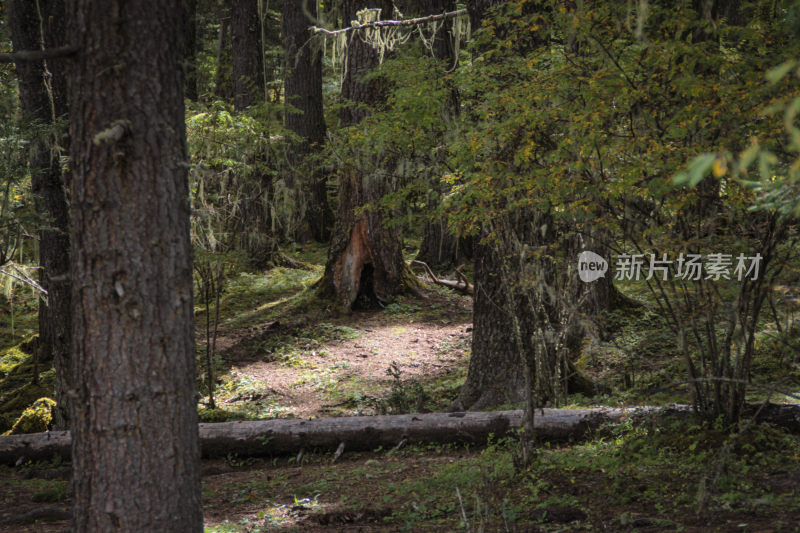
(359, 433)
(289, 436)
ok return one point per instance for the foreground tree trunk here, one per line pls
(365, 261)
(135, 450)
(42, 88)
(248, 58)
(303, 91)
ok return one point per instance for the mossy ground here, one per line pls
(18, 330)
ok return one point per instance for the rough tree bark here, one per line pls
(361, 95)
(495, 367)
(135, 442)
(303, 91)
(248, 58)
(495, 371)
(42, 88)
(365, 260)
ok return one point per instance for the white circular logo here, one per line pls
(591, 266)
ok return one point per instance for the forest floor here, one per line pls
(361, 364)
(282, 355)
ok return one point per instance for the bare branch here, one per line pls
(39, 55)
(382, 23)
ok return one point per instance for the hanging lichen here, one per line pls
(461, 32)
(382, 39)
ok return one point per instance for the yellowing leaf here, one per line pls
(720, 167)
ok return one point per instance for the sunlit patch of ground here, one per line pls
(347, 366)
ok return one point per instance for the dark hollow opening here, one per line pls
(367, 299)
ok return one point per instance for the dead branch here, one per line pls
(39, 55)
(462, 285)
(382, 23)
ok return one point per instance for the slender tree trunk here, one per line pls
(440, 248)
(223, 85)
(135, 447)
(190, 55)
(303, 91)
(248, 57)
(365, 260)
(42, 87)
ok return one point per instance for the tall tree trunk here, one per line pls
(549, 304)
(248, 57)
(42, 87)
(223, 85)
(360, 95)
(190, 50)
(365, 260)
(440, 248)
(303, 91)
(135, 443)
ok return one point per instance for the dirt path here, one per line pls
(341, 367)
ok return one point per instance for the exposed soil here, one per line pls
(319, 378)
